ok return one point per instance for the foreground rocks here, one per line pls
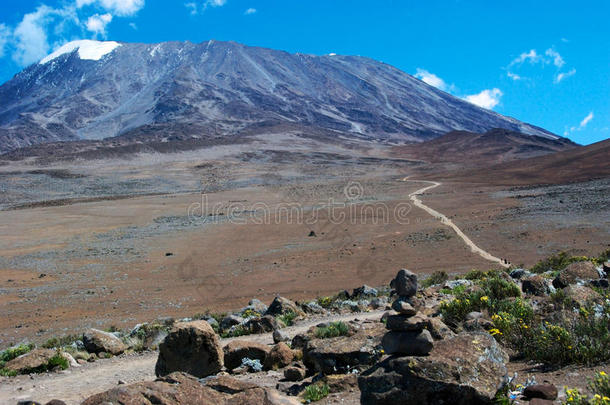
(575, 272)
(191, 347)
(33, 360)
(183, 389)
(464, 370)
(237, 350)
(97, 341)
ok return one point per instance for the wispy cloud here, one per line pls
(488, 98)
(531, 57)
(432, 79)
(250, 11)
(555, 56)
(583, 124)
(116, 7)
(514, 76)
(561, 76)
(199, 7)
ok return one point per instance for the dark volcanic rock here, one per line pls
(465, 370)
(535, 285)
(237, 350)
(575, 271)
(544, 391)
(191, 347)
(282, 306)
(405, 283)
(408, 343)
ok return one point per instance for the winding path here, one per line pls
(446, 221)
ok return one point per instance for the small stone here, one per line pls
(280, 336)
(293, 373)
(544, 391)
(120, 382)
(438, 329)
(403, 307)
(407, 324)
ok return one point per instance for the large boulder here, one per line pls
(237, 350)
(576, 271)
(229, 321)
(415, 343)
(30, 361)
(464, 370)
(406, 324)
(191, 347)
(535, 285)
(183, 389)
(97, 341)
(282, 306)
(581, 296)
(342, 354)
(405, 283)
(279, 357)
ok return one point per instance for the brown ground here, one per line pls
(105, 259)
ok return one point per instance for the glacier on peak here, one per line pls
(87, 49)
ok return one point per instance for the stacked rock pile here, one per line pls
(408, 335)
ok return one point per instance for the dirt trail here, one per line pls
(76, 384)
(446, 221)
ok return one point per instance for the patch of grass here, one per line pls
(288, 318)
(62, 341)
(557, 262)
(438, 277)
(334, 329)
(316, 392)
(326, 302)
(7, 373)
(250, 313)
(239, 330)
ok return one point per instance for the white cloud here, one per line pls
(513, 76)
(431, 79)
(561, 76)
(586, 120)
(555, 56)
(116, 7)
(488, 98)
(133, 26)
(195, 8)
(250, 11)
(5, 33)
(583, 124)
(97, 23)
(531, 57)
(31, 42)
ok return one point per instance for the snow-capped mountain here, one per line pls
(95, 90)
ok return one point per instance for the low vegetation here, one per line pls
(334, 329)
(438, 277)
(599, 386)
(288, 318)
(316, 392)
(10, 354)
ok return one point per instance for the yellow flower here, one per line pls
(484, 298)
(495, 331)
(602, 373)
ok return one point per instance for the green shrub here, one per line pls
(58, 361)
(13, 352)
(599, 386)
(326, 302)
(316, 392)
(288, 318)
(250, 313)
(332, 330)
(239, 330)
(61, 341)
(7, 373)
(556, 262)
(438, 277)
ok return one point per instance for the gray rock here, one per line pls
(282, 306)
(191, 347)
(535, 285)
(364, 291)
(229, 321)
(438, 329)
(280, 336)
(262, 325)
(408, 343)
(237, 350)
(97, 341)
(464, 370)
(405, 283)
(457, 283)
(407, 324)
(379, 302)
(473, 315)
(403, 308)
(518, 274)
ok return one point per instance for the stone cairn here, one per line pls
(408, 335)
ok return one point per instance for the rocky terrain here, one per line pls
(476, 339)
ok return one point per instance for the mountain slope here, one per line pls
(494, 146)
(90, 90)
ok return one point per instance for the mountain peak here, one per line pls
(87, 50)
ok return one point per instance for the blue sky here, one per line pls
(546, 63)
